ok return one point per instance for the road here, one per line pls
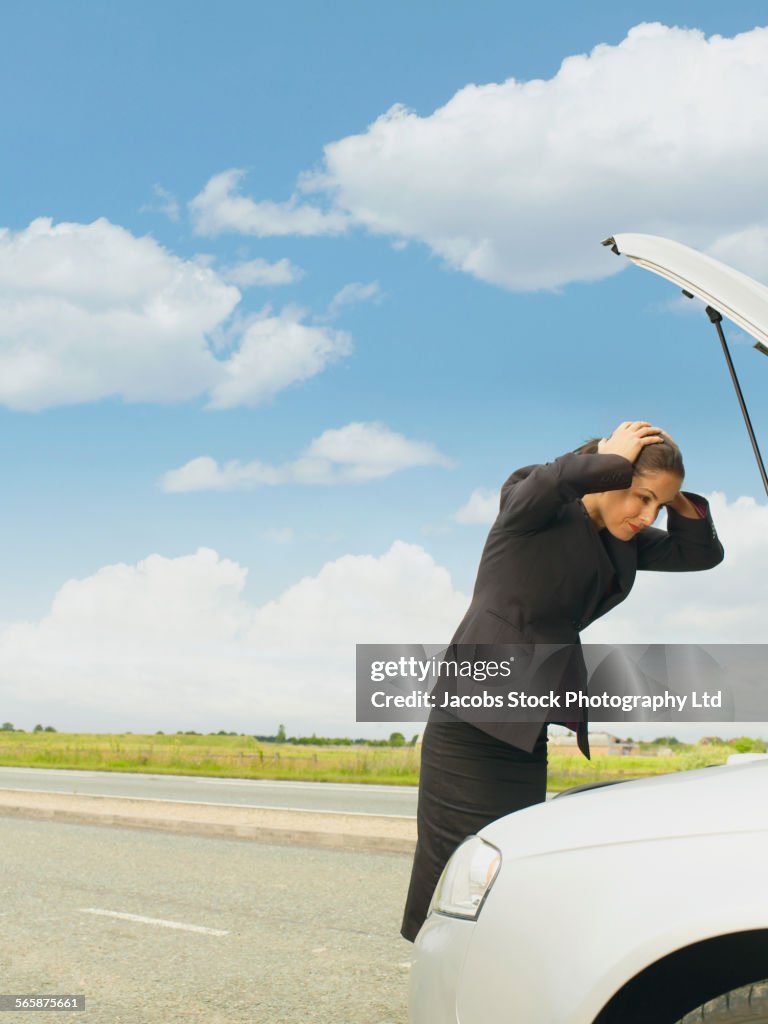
(291, 935)
(315, 796)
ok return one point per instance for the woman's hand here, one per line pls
(629, 439)
(685, 507)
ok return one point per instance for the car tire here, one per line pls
(745, 1005)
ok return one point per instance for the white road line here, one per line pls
(154, 920)
(208, 803)
(346, 787)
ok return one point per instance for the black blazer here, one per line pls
(547, 572)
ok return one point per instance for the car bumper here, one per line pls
(439, 952)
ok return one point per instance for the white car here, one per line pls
(631, 903)
(639, 903)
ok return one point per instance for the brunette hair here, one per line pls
(653, 458)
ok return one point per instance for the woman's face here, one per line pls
(626, 513)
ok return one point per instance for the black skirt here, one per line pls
(468, 779)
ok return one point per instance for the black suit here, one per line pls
(547, 572)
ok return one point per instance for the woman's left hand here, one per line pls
(683, 506)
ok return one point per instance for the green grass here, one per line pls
(566, 770)
(239, 757)
(242, 757)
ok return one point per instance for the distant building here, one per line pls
(601, 744)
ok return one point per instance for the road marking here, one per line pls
(154, 920)
(359, 787)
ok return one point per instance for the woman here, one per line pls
(563, 551)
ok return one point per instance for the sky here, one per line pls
(288, 291)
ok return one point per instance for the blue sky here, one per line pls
(443, 289)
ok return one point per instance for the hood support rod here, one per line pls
(716, 319)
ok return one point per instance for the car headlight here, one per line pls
(466, 879)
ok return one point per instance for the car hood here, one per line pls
(735, 295)
(705, 801)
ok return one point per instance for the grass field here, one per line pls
(243, 757)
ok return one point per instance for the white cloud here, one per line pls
(89, 311)
(171, 642)
(351, 454)
(261, 273)
(220, 208)
(167, 204)
(517, 182)
(274, 352)
(353, 294)
(481, 507)
(745, 249)
(727, 604)
(280, 535)
(724, 605)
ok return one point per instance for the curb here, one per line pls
(330, 830)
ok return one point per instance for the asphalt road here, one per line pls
(286, 934)
(315, 796)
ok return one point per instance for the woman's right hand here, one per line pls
(629, 439)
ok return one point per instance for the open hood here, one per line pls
(726, 292)
(735, 295)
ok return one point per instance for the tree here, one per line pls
(280, 734)
(7, 727)
(38, 728)
(396, 739)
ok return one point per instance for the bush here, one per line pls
(746, 745)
